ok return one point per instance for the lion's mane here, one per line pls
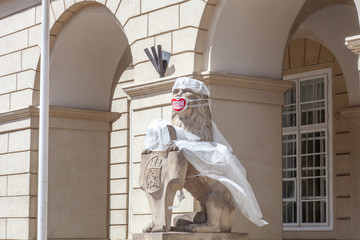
(199, 122)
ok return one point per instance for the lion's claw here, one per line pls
(146, 151)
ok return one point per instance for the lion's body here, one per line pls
(214, 198)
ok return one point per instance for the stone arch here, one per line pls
(62, 11)
(252, 42)
(309, 8)
(357, 4)
(312, 21)
(209, 18)
(236, 42)
(100, 48)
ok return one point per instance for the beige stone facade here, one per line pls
(104, 92)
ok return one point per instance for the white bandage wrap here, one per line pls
(191, 84)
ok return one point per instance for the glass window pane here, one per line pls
(313, 177)
(312, 113)
(306, 91)
(289, 212)
(307, 212)
(289, 189)
(312, 101)
(312, 89)
(289, 109)
(314, 212)
(289, 178)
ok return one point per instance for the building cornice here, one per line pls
(146, 88)
(60, 112)
(232, 80)
(353, 44)
(211, 78)
(31, 111)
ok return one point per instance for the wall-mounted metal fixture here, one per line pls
(160, 60)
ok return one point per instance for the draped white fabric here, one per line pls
(212, 159)
(193, 84)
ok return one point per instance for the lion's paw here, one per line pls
(148, 228)
(146, 151)
(173, 148)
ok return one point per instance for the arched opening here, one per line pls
(88, 56)
(84, 60)
(252, 42)
(330, 25)
(249, 38)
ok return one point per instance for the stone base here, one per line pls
(189, 236)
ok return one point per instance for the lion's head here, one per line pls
(194, 119)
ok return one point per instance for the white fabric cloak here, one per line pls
(212, 159)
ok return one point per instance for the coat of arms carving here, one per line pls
(153, 173)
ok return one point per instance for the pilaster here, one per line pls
(78, 157)
(353, 88)
(352, 115)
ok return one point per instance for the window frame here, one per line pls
(300, 129)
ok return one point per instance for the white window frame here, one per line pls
(327, 127)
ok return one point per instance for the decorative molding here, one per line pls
(232, 80)
(307, 68)
(146, 88)
(211, 78)
(353, 44)
(60, 112)
(31, 111)
(82, 114)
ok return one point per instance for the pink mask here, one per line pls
(179, 104)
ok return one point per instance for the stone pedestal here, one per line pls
(190, 236)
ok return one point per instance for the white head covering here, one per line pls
(192, 84)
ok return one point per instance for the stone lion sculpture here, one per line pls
(212, 175)
(217, 207)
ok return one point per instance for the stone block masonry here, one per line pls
(145, 23)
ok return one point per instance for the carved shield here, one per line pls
(153, 173)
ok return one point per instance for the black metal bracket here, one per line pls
(160, 60)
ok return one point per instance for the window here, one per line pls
(306, 145)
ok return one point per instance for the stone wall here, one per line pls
(19, 37)
(145, 24)
(18, 179)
